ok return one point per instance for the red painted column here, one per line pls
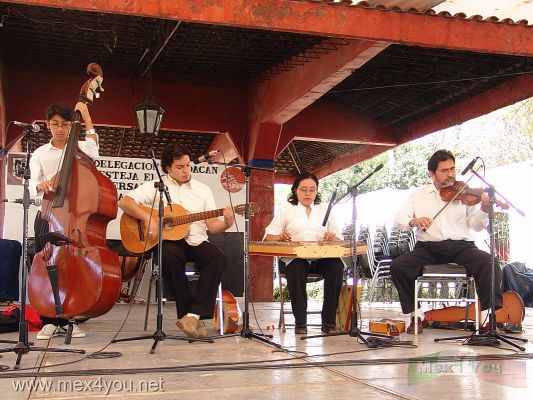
(261, 270)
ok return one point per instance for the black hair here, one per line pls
(62, 109)
(437, 157)
(171, 152)
(293, 199)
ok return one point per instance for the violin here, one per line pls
(467, 195)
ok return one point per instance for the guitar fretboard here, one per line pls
(189, 218)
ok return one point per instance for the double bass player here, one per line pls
(44, 165)
(74, 273)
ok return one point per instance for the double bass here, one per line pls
(76, 274)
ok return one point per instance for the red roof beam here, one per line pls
(228, 150)
(507, 93)
(284, 96)
(346, 160)
(356, 22)
(187, 107)
(288, 94)
(328, 122)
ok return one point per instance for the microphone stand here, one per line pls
(354, 329)
(4, 150)
(159, 335)
(492, 337)
(23, 346)
(330, 205)
(247, 331)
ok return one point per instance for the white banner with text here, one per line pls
(126, 174)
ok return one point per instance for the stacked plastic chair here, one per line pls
(398, 243)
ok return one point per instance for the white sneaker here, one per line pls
(77, 332)
(48, 332)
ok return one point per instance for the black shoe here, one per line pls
(328, 328)
(300, 329)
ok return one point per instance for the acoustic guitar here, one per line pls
(511, 313)
(175, 225)
(231, 314)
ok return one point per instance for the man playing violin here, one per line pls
(45, 163)
(445, 238)
(195, 197)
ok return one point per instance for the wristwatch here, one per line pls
(90, 132)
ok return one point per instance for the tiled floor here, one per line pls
(318, 368)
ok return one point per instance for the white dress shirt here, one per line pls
(294, 219)
(46, 161)
(193, 196)
(453, 223)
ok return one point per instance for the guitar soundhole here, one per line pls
(167, 223)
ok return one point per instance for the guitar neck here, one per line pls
(190, 218)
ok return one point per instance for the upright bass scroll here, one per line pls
(89, 91)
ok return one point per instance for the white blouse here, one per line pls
(294, 219)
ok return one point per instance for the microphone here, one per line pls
(469, 166)
(377, 168)
(167, 195)
(205, 157)
(165, 188)
(330, 205)
(30, 127)
(34, 202)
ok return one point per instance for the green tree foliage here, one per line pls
(502, 137)
(404, 167)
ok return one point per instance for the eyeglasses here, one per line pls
(307, 190)
(60, 125)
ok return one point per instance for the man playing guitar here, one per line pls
(195, 197)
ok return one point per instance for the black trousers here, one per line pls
(406, 268)
(296, 273)
(211, 263)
